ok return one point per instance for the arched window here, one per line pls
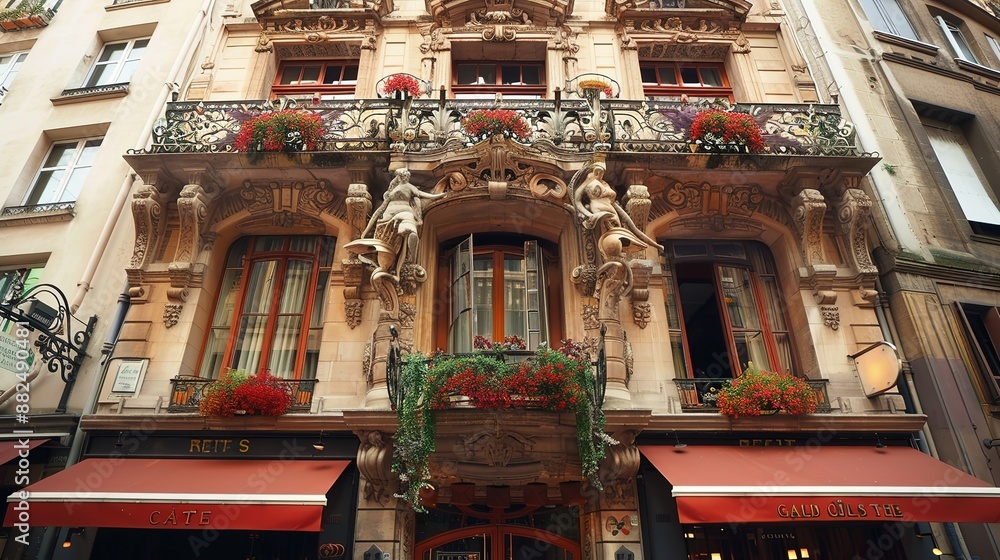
(498, 289)
(269, 313)
(726, 309)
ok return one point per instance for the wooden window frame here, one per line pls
(984, 351)
(498, 86)
(319, 87)
(283, 256)
(671, 90)
(760, 306)
(553, 291)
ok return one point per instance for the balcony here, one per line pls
(24, 16)
(692, 393)
(186, 393)
(425, 125)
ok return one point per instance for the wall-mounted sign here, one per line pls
(128, 377)
(15, 357)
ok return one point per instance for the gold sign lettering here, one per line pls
(184, 517)
(766, 442)
(217, 446)
(838, 509)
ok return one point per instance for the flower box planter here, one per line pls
(9, 25)
(762, 393)
(717, 131)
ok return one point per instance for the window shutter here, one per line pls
(534, 281)
(965, 179)
(462, 317)
(991, 324)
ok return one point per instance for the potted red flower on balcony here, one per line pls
(238, 392)
(757, 393)
(402, 85)
(714, 130)
(482, 124)
(280, 131)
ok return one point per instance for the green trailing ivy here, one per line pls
(557, 380)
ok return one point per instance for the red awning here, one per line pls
(716, 484)
(274, 495)
(10, 449)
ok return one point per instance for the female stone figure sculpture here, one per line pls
(597, 208)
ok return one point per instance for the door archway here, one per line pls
(528, 534)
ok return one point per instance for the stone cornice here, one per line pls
(985, 277)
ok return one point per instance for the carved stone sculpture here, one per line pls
(391, 238)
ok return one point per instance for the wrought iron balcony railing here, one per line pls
(37, 208)
(186, 393)
(693, 393)
(416, 125)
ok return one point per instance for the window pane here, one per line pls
(739, 298)
(783, 343)
(310, 75)
(350, 75)
(319, 301)
(689, 77)
(711, 77)
(648, 74)
(228, 294)
(215, 350)
(515, 306)
(531, 75)
(268, 244)
(482, 294)
(332, 75)
(249, 343)
(285, 347)
(260, 288)
(467, 73)
(293, 291)
(89, 152)
(750, 348)
(237, 252)
(113, 52)
(45, 188)
(102, 75)
(138, 49)
(71, 190)
(61, 155)
(668, 75)
(128, 69)
(302, 244)
(290, 75)
(488, 73)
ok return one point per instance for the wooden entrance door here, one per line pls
(498, 542)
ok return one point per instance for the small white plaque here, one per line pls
(129, 376)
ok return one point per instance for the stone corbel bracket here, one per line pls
(853, 208)
(375, 466)
(359, 206)
(827, 300)
(192, 211)
(147, 213)
(618, 469)
(807, 206)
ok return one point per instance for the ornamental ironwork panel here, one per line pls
(415, 125)
(186, 392)
(700, 395)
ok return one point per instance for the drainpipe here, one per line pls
(195, 34)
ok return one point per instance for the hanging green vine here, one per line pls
(556, 380)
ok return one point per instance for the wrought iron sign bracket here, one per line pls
(62, 338)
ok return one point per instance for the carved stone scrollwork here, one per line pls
(147, 213)
(375, 466)
(853, 209)
(172, 314)
(585, 279)
(642, 271)
(496, 446)
(831, 316)
(809, 207)
(618, 470)
(192, 208)
(590, 316)
(359, 206)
